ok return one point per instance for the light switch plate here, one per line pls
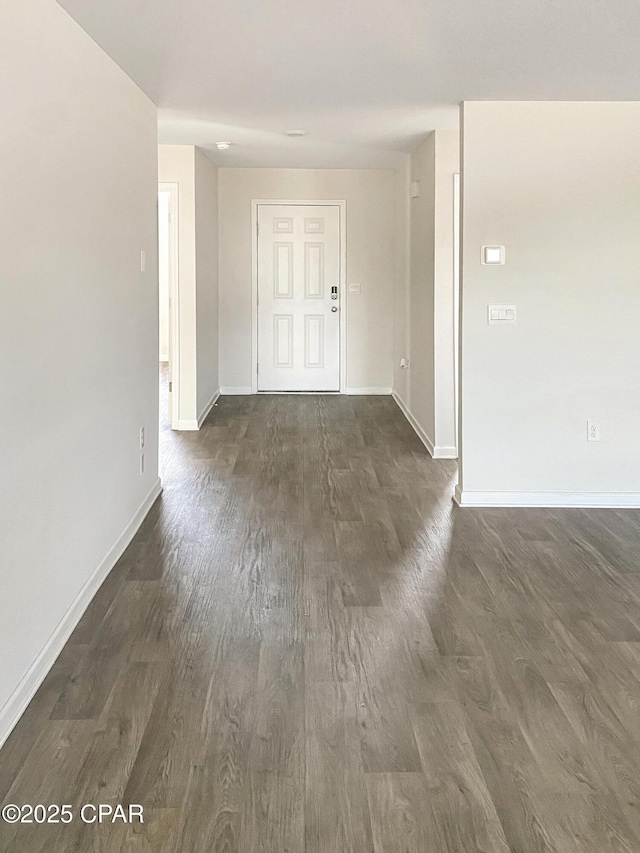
(492, 255)
(500, 315)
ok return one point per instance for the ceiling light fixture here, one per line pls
(222, 146)
(295, 133)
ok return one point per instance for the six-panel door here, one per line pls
(298, 297)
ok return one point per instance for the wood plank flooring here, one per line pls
(308, 649)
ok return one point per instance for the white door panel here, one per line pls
(298, 313)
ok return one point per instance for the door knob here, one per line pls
(334, 308)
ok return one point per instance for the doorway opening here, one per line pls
(168, 307)
(299, 268)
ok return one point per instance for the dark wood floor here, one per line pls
(307, 647)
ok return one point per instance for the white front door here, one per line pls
(298, 297)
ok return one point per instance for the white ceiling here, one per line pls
(368, 79)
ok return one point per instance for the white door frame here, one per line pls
(174, 301)
(342, 204)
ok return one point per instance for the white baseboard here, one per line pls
(437, 452)
(424, 438)
(236, 389)
(15, 706)
(207, 408)
(595, 500)
(441, 451)
(366, 392)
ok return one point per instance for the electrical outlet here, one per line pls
(404, 363)
(142, 438)
(593, 430)
(142, 463)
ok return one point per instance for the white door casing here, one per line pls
(298, 297)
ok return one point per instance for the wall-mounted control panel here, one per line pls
(492, 255)
(501, 314)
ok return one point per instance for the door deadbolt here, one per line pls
(334, 292)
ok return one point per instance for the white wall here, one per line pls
(422, 290)
(402, 269)
(206, 223)
(447, 163)
(196, 177)
(176, 164)
(558, 184)
(164, 259)
(78, 329)
(424, 306)
(370, 261)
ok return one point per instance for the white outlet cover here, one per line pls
(354, 287)
(593, 430)
(492, 255)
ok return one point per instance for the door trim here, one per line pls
(342, 204)
(174, 301)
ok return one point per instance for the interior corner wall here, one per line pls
(206, 225)
(78, 331)
(447, 164)
(197, 179)
(424, 313)
(401, 344)
(176, 164)
(369, 196)
(422, 290)
(557, 184)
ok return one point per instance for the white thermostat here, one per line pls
(492, 255)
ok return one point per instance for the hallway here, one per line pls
(307, 647)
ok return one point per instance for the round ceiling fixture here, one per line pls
(222, 146)
(295, 133)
